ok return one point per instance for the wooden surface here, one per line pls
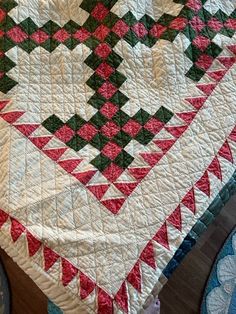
(181, 295)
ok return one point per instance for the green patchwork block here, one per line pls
(163, 114)
(95, 81)
(119, 99)
(124, 159)
(76, 143)
(129, 19)
(142, 116)
(75, 122)
(101, 162)
(50, 44)
(193, 53)
(195, 73)
(6, 64)
(91, 24)
(117, 79)
(131, 38)
(99, 141)
(122, 138)
(98, 120)
(92, 42)
(144, 136)
(121, 118)
(97, 101)
(93, 61)
(53, 123)
(114, 60)
(29, 26)
(6, 84)
(213, 50)
(28, 45)
(112, 39)
(110, 20)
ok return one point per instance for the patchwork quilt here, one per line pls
(117, 141)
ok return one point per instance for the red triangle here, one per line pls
(68, 272)
(50, 258)
(40, 141)
(152, 158)
(11, 117)
(227, 61)
(197, 102)
(85, 177)
(121, 298)
(207, 88)
(55, 153)
(3, 217)
(217, 75)
(26, 129)
(187, 116)
(86, 286)
(165, 145)
(16, 229)
(232, 135)
(134, 277)
(70, 164)
(33, 244)
(225, 152)
(214, 168)
(176, 131)
(139, 173)
(148, 256)
(204, 184)
(114, 205)
(98, 190)
(175, 218)
(3, 104)
(189, 201)
(162, 237)
(105, 303)
(232, 48)
(126, 188)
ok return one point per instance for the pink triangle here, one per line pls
(176, 131)
(98, 190)
(104, 303)
(3, 217)
(197, 102)
(232, 135)
(33, 244)
(41, 141)
(152, 158)
(162, 236)
(114, 205)
(207, 88)
(227, 61)
(148, 256)
(11, 117)
(187, 116)
(68, 272)
(175, 218)
(126, 188)
(189, 201)
(214, 168)
(217, 75)
(86, 286)
(225, 152)
(204, 184)
(134, 277)
(232, 48)
(139, 173)
(70, 164)
(16, 229)
(3, 104)
(85, 177)
(50, 258)
(165, 145)
(26, 129)
(121, 298)
(55, 153)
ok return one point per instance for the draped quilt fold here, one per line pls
(117, 132)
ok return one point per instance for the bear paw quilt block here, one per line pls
(118, 141)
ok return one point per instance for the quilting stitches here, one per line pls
(199, 26)
(69, 272)
(113, 159)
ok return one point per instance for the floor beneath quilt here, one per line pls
(179, 296)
